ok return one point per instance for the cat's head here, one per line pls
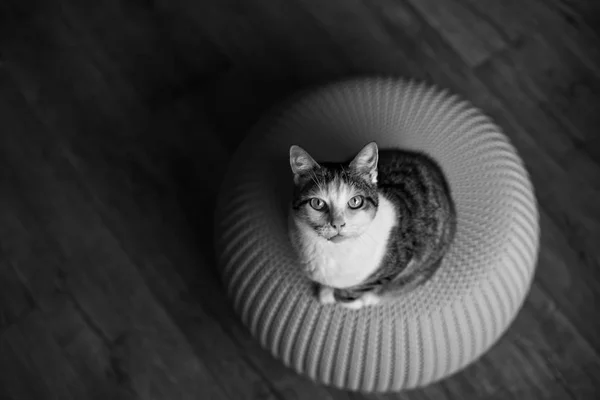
(337, 200)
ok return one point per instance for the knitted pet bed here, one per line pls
(436, 330)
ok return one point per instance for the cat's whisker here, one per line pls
(314, 179)
(368, 235)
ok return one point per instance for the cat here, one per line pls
(370, 229)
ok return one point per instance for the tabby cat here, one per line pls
(372, 228)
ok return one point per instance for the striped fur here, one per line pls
(391, 244)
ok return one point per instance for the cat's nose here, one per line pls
(338, 225)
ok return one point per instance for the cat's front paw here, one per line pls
(353, 305)
(367, 299)
(326, 295)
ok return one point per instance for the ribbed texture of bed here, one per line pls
(436, 330)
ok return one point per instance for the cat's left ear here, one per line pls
(365, 162)
(301, 162)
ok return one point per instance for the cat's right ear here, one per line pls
(301, 162)
(365, 162)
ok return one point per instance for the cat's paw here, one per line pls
(353, 305)
(326, 295)
(366, 300)
(371, 299)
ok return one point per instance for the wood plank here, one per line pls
(86, 348)
(471, 36)
(569, 266)
(347, 35)
(34, 263)
(574, 364)
(236, 101)
(566, 81)
(576, 12)
(299, 49)
(18, 381)
(224, 24)
(15, 299)
(570, 227)
(107, 288)
(38, 267)
(592, 148)
(586, 168)
(33, 366)
(517, 91)
(137, 54)
(118, 77)
(288, 42)
(574, 204)
(554, 88)
(325, 41)
(104, 283)
(51, 48)
(565, 29)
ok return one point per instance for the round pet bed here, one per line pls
(432, 332)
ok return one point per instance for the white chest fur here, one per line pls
(349, 262)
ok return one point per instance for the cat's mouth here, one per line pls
(337, 238)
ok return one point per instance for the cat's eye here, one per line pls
(356, 202)
(317, 203)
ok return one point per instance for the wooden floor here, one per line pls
(117, 122)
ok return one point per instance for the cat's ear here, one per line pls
(365, 162)
(301, 162)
